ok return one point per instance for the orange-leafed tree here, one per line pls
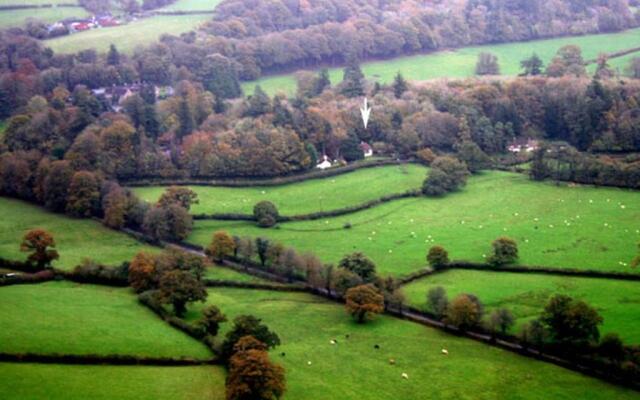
(222, 245)
(142, 272)
(38, 242)
(363, 302)
(252, 375)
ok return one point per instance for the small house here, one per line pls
(326, 163)
(524, 146)
(366, 149)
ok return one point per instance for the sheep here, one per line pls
(445, 352)
(376, 347)
(392, 361)
(405, 376)
(333, 341)
(283, 354)
(308, 362)
(347, 336)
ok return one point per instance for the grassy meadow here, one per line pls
(76, 239)
(192, 5)
(353, 369)
(309, 196)
(17, 18)
(228, 274)
(81, 382)
(460, 63)
(558, 226)
(525, 295)
(67, 318)
(126, 37)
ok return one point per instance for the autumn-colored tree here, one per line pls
(56, 185)
(115, 208)
(222, 246)
(178, 288)
(83, 199)
(142, 272)
(179, 195)
(463, 312)
(437, 257)
(38, 242)
(211, 319)
(501, 320)
(363, 302)
(252, 376)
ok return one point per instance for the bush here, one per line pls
(438, 257)
(447, 175)
(464, 313)
(266, 214)
(505, 251)
(437, 301)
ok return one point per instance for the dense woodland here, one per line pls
(268, 36)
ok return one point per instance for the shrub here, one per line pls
(266, 214)
(501, 320)
(438, 257)
(446, 175)
(211, 319)
(505, 251)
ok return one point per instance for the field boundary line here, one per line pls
(93, 359)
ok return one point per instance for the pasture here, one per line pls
(227, 274)
(17, 18)
(67, 318)
(102, 382)
(555, 226)
(525, 295)
(192, 5)
(76, 239)
(127, 37)
(460, 63)
(309, 196)
(353, 369)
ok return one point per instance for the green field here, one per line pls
(127, 37)
(66, 318)
(76, 238)
(309, 196)
(228, 274)
(193, 5)
(525, 295)
(82, 382)
(581, 227)
(17, 18)
(461, 63)
(353, 369)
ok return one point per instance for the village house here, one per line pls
(326, 163)
(523, 146)
(117, 94)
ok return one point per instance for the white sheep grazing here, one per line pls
(332, 341)
(405, 376)
(308, 362)
(445, 352)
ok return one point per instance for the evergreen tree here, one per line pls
(350, 148)
(259, 103)
(353, 81)
(113, 56)
(399, 85)
(532, 66)
(185, 116)
(322, 82)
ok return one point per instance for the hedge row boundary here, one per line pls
(276, 181)
(531, 269)
(316, 215)
(94, 359)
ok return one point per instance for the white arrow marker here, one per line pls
(366, 113)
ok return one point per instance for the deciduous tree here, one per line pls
(178, 288)
(40, 244)
(222, 246)
(363, 301)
